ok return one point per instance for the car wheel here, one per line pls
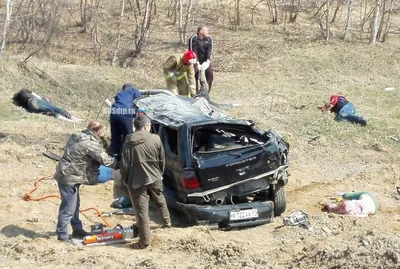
(278, 196)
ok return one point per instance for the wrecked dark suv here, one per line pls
(220, 171)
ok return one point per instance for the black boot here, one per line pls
(80, 234)
(363, 122)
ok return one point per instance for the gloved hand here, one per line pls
(169, 75)
(192, 90)
(205, 65)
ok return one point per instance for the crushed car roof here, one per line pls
(178, 110)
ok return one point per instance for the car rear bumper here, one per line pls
(218, 216)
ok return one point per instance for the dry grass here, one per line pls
(280, 73)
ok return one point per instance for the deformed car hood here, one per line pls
(177, 110)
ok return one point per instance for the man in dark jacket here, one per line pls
(121, 116)
(79, 164)
(142, 168)
(202, 44)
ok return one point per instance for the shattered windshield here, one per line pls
(212, 139)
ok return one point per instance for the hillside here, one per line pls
(280, 79)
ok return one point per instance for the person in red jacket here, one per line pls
(344, 110)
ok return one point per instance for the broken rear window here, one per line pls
(209, 139)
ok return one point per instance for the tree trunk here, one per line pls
(237, 14)
(187, 22)
(138, 7)
(274, 13)
(175, 12)
(338, 6)
(143, 28)
(374, 23)
(180, 18)
(348, 20)
(83, 7)
(294, 11)
(6, 23)
(96, 42)
(388, 22)
(253, 10)
(382, 21)
(115, 53)
(52, 26)
(327, 23)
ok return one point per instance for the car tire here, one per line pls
(278, 196)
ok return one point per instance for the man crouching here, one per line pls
(142, 168)
(80, 164)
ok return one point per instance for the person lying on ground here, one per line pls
(34, 103)
(360, 204)
(79, 165)
(344, 110)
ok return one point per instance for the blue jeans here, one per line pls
(348, 113)
(121, 126)
(68, 211)
(42, 106)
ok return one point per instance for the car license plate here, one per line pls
(243, 214)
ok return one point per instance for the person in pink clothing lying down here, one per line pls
(361, 204)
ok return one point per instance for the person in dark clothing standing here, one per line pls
(121, 117)
(202, 44)
(344, 110)
(142, 167)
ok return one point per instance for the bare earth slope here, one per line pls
(283, 95)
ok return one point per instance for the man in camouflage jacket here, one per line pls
(79, 164)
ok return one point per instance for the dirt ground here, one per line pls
(334, 242)
(280, 84)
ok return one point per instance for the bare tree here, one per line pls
(95, 29)
(183, 26)
(386, 18)
(86, 13)
(253, 10)
(117, 46)
(143, 20)
(374, 23)
(138, 8)
(348, 20)
(9, 6)
(338, 8)
(237, 13)
(52, 24)
(273, 10)
(388, 23)
(173, 10)
(179, 15)
(327, 23)
(294, 10)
